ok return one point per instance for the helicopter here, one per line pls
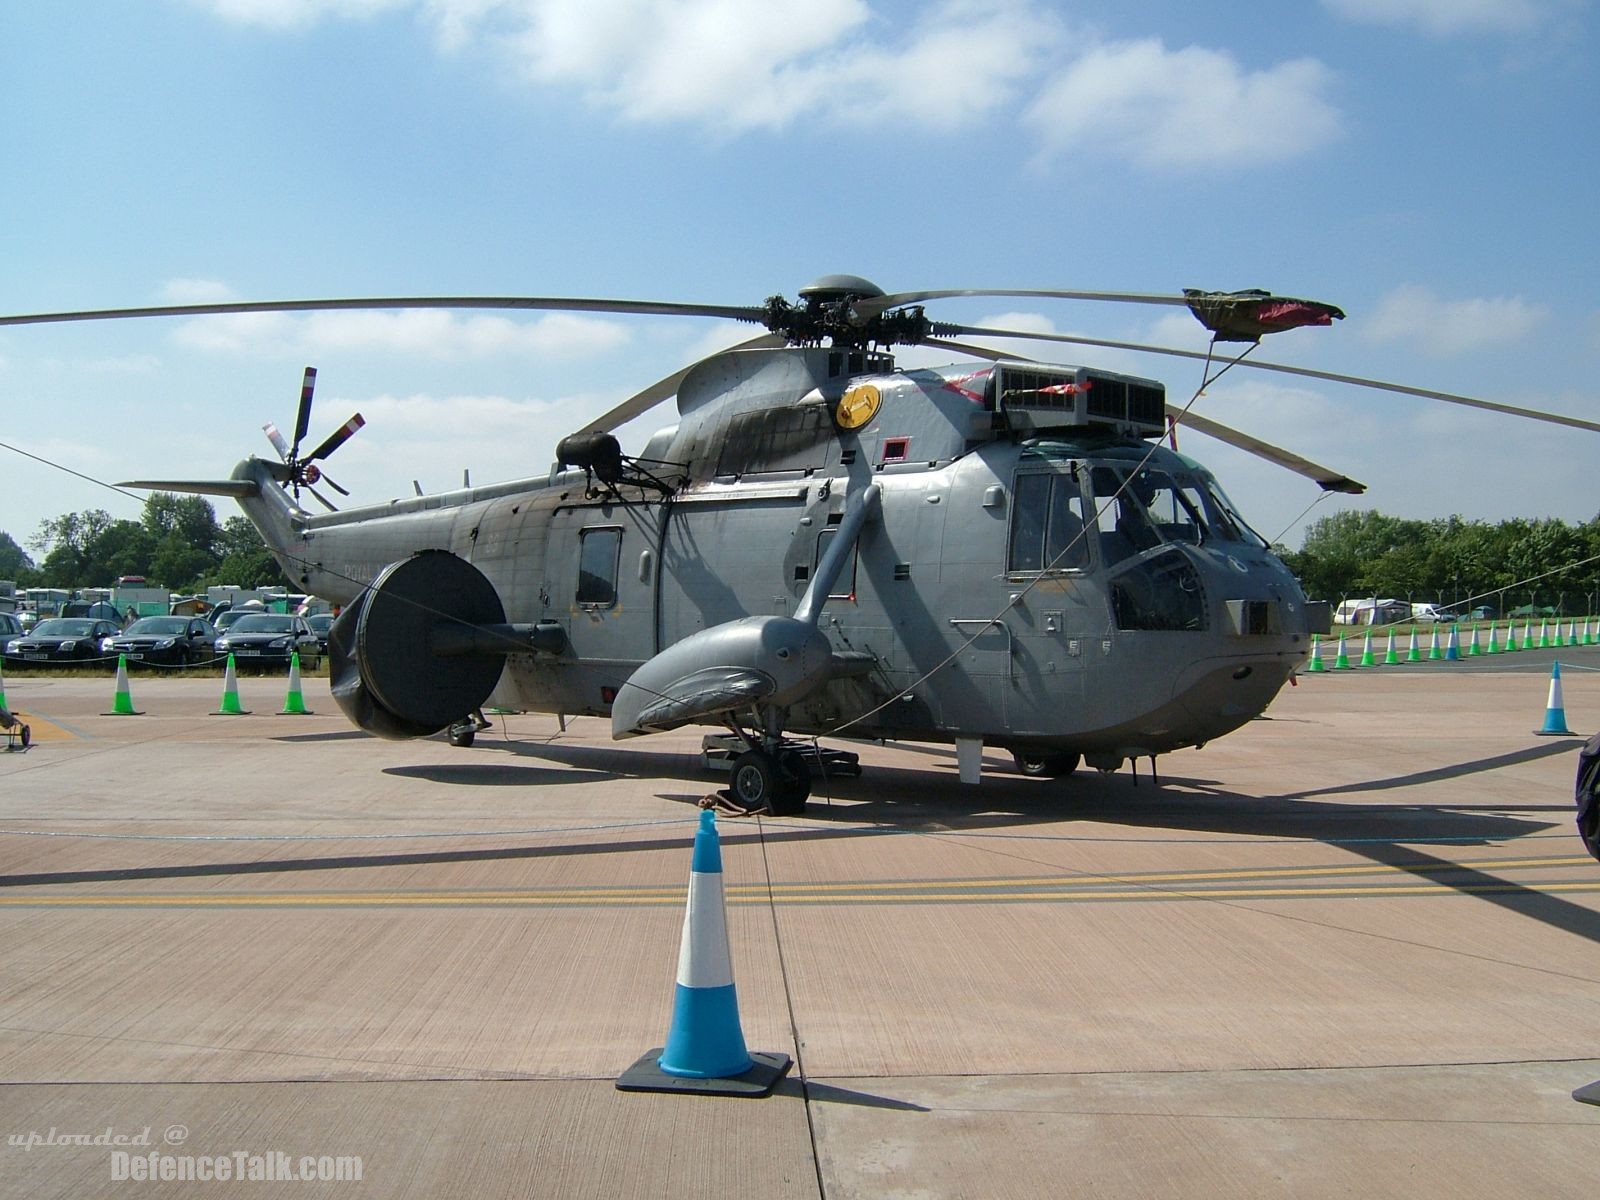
(1000, 552)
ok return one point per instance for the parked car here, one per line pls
(175, 640)
(268, 639)
(223, 621)
(10, 629)
(63, 639)
(320, 624)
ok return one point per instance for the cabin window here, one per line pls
(600, 550)
(1047, 525)
(844, 588)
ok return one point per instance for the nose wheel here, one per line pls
(779, 783)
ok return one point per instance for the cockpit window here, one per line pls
(1156, 507)
(1047, 525)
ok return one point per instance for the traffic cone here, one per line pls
(1472, 647)
(1366, 651)
(1433, 645)
(1493, 649)
(3, 703)
(705, 1050)
(1412, 654)
(1511, 637)
(1555, 712)
(294, 704)
(1316, 656)
(230, 694)
(1544, 639)
(1527, 635)
(1452, 646)
(1390, 658)
(122, 705)
(1572, 634)
(1341, 660)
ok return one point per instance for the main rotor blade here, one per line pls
(535, 303)
(1328, 480)
(337, 438)
(871, 306)
(334, 484)
(1284, 368)
(643, 401)
(302, 419)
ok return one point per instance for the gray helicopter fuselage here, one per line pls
(1040, 575)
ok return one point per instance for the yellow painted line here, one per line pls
(1080, 877)
(43, 730)
(552, 900)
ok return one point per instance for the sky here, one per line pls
(1427, 165)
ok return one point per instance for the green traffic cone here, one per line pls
(294, 704)
(1315, 664)
(1366, 651)
(1412, 654)
(1433, 645)
(122, 705)
(1390, 658)
(230, 694)
(1341, 660)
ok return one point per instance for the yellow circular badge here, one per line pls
(857, 406)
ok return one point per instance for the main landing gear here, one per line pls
(1041, 765)
(779, 783)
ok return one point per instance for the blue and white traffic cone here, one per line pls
(705, 1050)
(1555, 712)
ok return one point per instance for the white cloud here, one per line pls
(429, 333)
(739, 66)
(1416, 315)
(1187, 108)
(1444, 18)
(733, 67)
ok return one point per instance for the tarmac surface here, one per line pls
(1348, 950)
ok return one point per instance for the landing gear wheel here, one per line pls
(779, 785)
(463, 734)
(1045, 766)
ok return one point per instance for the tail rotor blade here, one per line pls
(302, 420)
(337, 438)
(276, 438)
(322, 500)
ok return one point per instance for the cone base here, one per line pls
(124, 712)
(646, 1075)
(1588, 1094)
(296, 712)
(231, 712)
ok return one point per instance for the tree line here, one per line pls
(176, 543)
(1451, 561)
